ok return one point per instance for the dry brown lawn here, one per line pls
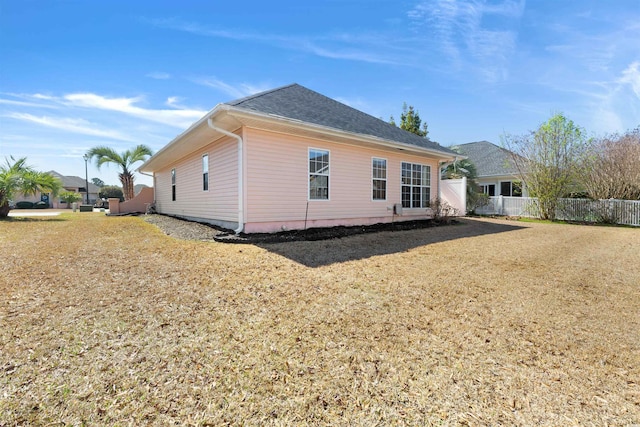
(107, 321)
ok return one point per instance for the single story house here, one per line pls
(498, 174)
(291, 158)
(69, 183)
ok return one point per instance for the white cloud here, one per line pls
(173, 101)
(456, 27)
(180, 118)
(24, 103)
(71, 125)
(235, 91)
(158, 75)
(631, 77)
(352, 48)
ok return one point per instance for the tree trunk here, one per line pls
(127, 185)
(4, 210)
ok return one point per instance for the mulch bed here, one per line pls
(171, 226)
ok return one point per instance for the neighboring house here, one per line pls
(291, 158)
(497, 172)
(69, 183)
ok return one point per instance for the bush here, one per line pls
(24, 205)
(443, 212)
(111, 191)
(69, 197)
(41, 205)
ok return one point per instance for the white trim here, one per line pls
(386, 179)
(203, 172)
(236, 114)
(411, 186)
(510, 181)
(174, 187)
(328, 175)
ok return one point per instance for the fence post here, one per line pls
(500, 204)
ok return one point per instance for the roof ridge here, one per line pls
(258, 95)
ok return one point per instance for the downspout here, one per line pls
(240, 180)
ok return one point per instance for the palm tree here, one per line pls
(16, 177)
(124, 160)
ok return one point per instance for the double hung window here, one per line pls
(416, 185)
(318, 174)
(379, 178)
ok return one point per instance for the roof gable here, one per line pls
(299, 103)
(70, 181)
(489, 159)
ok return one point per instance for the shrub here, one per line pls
(443, 212)
(69, 197)
(111, 191)
(24, 205)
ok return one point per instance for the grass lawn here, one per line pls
(107, 321)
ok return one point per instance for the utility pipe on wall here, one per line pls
(240, 180)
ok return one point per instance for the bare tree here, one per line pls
(611, 168)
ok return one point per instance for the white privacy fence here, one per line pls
(626, 212)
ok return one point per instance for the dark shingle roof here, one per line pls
(299, 103)
(489, 159)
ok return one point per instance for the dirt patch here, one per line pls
(107, 321)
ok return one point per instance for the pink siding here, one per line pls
(220, 203)
(277, 184)
(138, 204)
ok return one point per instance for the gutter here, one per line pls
(240, 174)
(239, 113)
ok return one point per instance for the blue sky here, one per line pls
(77, 74)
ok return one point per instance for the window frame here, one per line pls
(413, 186)
(486, 189)
(374, 179)
(310, 174)
(511, 187)
(173, 184)
(205, 172)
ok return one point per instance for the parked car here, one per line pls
(12, 205)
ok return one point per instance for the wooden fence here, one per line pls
(625, 212)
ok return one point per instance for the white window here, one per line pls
(318, 174)
(489, 189)
(511, 188)
(379, 178)
(173, 184)
(205, 172)
(416, 185)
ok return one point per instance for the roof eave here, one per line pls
(157, 161)
(148, 166)
(240, 112)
